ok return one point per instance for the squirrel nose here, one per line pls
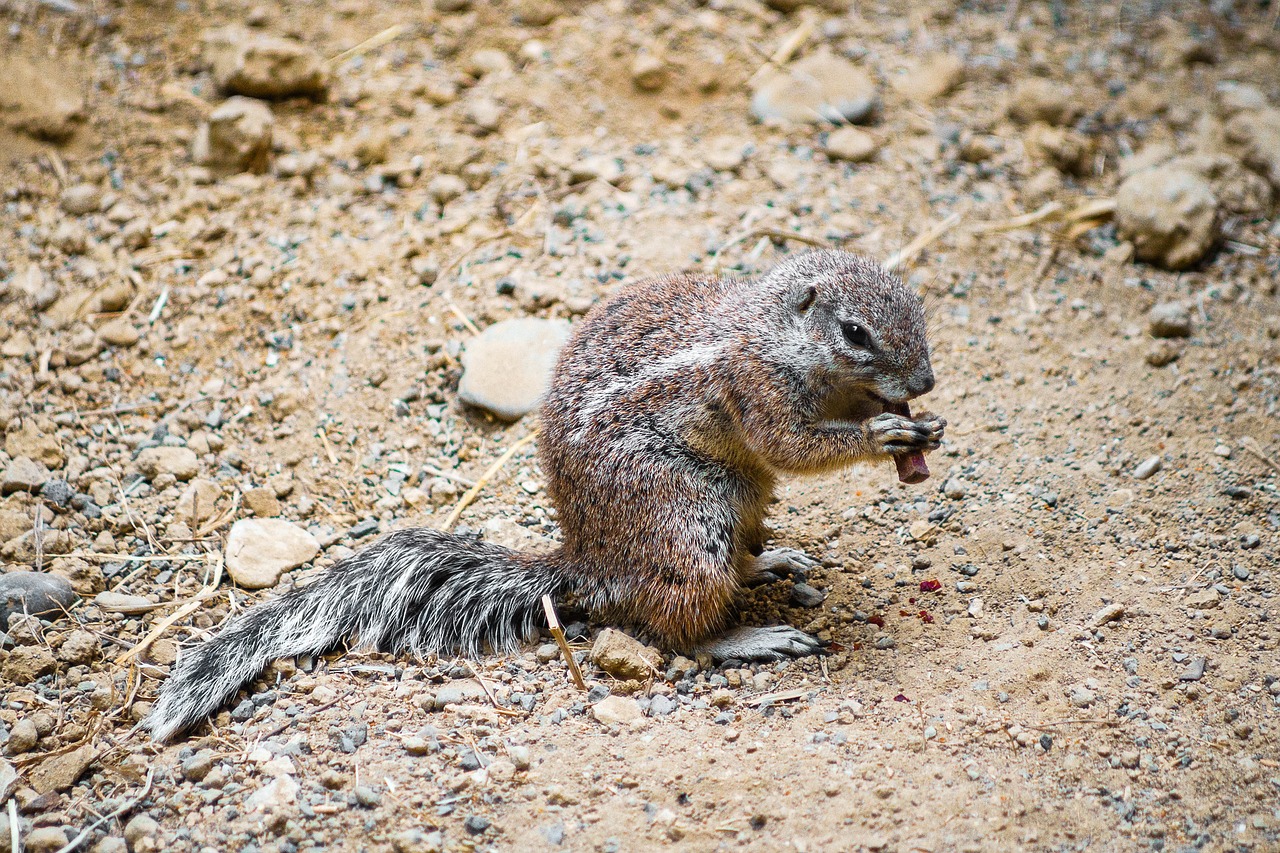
(920, 385)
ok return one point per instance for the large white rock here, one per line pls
(817, 89)
(507, 368)
(259, 550)
(616, 711)
(264, 66)
(181, 462)
(1169, 214)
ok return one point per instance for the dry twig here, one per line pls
(474, 491)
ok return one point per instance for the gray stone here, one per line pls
(1169, 320)
(1148, 468)
(140, 830)
(817, 89)
(851, 144)
(23, 737)
(119, 333)
(23, 475)
(804, 595)
(36, 593)
(57, 491)
(1205, 599)
(417, 841)
(45, 839)
(259, 550)
(195, 768)
(1037, 99)
(458, 693)
(60, 772)
(1257, 133)
(280, 794)
(661, 706)
(1194, 670)
(8, 783)
(79, 647)
(1235, 97)
(1169, 214)
(507, 368)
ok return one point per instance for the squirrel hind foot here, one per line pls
(771, 643)
(777, 563)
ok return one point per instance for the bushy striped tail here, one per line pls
(414, 590)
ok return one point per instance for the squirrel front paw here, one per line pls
(896, 435)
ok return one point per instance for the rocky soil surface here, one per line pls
(248, 251)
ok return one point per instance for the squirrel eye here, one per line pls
(856, 335)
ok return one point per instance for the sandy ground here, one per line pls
(1044, 647)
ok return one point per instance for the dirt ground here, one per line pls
(1065, 640)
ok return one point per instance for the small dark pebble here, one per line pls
(1046, 742)
(367, 797)
(57, 491)
(477, 824)
(243, 711)
(596, 693)
(804, 595)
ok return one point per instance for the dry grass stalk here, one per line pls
(553, 622)
(920, 243)
(187, 609)
(374, 42)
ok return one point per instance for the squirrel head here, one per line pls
(858, 324)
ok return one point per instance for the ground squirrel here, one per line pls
(673, 409)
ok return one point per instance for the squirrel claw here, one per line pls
(897, 435)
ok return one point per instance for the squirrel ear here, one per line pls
(806, 298)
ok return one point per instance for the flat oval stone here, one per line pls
(36, 593)
(259, 550)
(507, 367)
